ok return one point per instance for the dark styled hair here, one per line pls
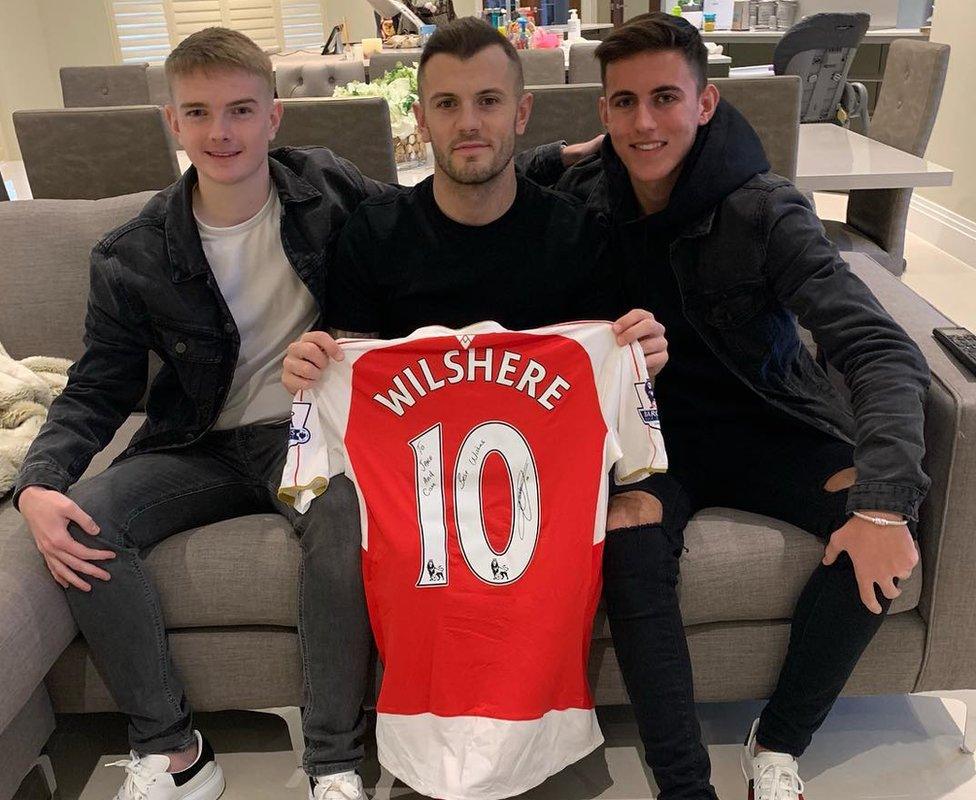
(219, 48)
(464, 38)
(655, 32)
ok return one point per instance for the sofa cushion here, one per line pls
(742, 566)
(238, 572)
(46, 247)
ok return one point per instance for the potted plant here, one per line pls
(399, 88)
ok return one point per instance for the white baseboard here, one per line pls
(946, 229)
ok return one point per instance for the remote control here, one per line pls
(961, 343)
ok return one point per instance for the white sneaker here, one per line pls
(146, 778)
(342, 786)
(770, 776)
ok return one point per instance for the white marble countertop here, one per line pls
(834, 158)
(879, 36)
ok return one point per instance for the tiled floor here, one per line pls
(891, 747)
(869, 748)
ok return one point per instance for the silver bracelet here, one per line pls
(884, 523)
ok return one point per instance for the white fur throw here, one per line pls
(27, 389)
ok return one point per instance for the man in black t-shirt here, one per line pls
(405, 262)
(476, 241)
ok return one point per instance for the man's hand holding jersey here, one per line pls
(308, 356)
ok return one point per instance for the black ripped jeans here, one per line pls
(830, 629)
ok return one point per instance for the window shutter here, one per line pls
(302, 23)
(140, 30)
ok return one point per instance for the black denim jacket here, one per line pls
(152, 290)
(748, 269)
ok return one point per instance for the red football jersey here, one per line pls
(481, 460)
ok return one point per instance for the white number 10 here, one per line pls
(488, 565)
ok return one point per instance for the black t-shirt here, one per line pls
(402, 264)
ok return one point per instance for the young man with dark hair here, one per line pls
(729, 257)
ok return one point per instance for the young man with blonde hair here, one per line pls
(217, 274)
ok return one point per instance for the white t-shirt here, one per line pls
(270, 304)
(481, 459)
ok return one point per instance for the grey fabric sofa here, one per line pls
(231, 617)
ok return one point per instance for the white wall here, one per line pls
(26, 80)
(951, 145)
(358, 15)
(37, 38)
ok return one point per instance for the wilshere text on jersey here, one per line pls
(481, 364)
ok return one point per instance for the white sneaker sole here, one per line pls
(212, 788)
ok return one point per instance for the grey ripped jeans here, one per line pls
(144, 499)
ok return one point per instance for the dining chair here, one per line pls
(317, 77)
(911, 92)
(583, 65)
(772, 106)
(387, 60)
(90, 153)
(158, 85)
(356, 128)
(543, 66)
(97, 87)
(562, 111)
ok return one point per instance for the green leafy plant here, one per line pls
(399, 88)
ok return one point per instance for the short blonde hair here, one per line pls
(214, 49)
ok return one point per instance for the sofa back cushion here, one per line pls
(44, 269)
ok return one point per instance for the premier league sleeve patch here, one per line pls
(647, 404)
(299, 432)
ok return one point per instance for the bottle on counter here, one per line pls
(574, 28)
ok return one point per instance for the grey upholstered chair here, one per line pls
(543, 67)
(583, 66)
(386, 60)
(904, 116)
(317, 78)
(772, 106)
(89, 153)
(356, 128)
(563, 111)
(96, 87)
(158, 86)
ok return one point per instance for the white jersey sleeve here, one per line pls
(637, 429)
(315, 451)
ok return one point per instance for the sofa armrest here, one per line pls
(947, 520)
(35, 621)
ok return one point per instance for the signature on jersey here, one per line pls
(523, 499)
